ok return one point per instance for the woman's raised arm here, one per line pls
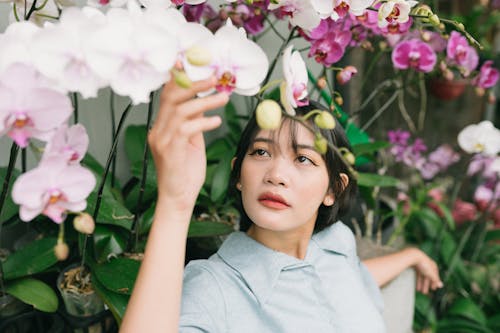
(178, 150)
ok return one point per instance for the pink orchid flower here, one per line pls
(330, 43)
(70, 143)
(488, 76)
(28, 108)
(393, 11)
(460, 53)
(414, 54)
(346, 74)
(294, 87)
(52, 188)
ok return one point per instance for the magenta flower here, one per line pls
(398, 137)
(346, 74)
(444, 156)
(28, 107)
(329, 45)
(488, 76)
(414, 54)
(463, 211)
(460, 53)
(70, 143)
(52, 189)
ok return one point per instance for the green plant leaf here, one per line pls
(494, 323)
(446, 215)
(146, 220)
(111, 211)
(9, 208)
(466, 308)
(220, 179)
(117, 303)
(31, 259)
(207, 229)
(35, 293)
(369, 148)
(233, 123)
(91, 162)
(461, 325)
(492, 235)
(424, 312)
(372, 179)
(109, 240)
(356, 135)
(118, 275)
(430, 221)
(135, 139)
(217, 148)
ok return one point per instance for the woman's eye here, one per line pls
(304, 160)
(259, 152)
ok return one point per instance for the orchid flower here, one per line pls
(239, 64)
(414, 54)
(301, 12)
(346, 74)
(460, 53)
(131, 53)
(28, 108)
(107, 3)
(169, 3)
(49, 12)
(69, 143)
(393, 11)
(337, 9)
(52, 188)
(481, 138)
(15, 44)
(293, 90)
(60, 52)
(487, 77)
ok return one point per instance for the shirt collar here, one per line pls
(261, 266)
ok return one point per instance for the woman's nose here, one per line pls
(277, 173)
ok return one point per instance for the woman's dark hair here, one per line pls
(327, 215)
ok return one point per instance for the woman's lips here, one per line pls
(272, 200)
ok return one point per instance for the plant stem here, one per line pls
(31, 10)
(404, 112)
(14, 149)
(423, 101)
(23, 160)
(113, 130)
(112, 152)
(275, 60)
(381, 110)
(136, 224)
(75, 107)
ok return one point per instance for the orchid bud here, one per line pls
(320, 144)
(268, 114)
(434, 20)
(426, 36)
(441, 26)
(325, 120)
(491, 98)
(346, 74)
(448, 75)
(84, 223)
(460, 26)
(479, 91)
(198, 56)
(339, 100)
(182, 79)
(348, 156)
(321, 82)
(61, 250)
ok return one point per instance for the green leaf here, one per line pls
(117, 303)
(372, 179)
(217, 149)
(448, 246)
(135, 139)
(424, 312)
(466, 308)
(35, 293)
(369, 148)
(207, 229)
(9, 208)
(220, 179)
(492, 235)
(460, 325)
(356, 135)
(118, 275)
(447, 215)
(91, 162)
(31, 259)
(494, 323)
(430, 221)
(233, 123)
(146, 220)
(108, 241)
(111, 211)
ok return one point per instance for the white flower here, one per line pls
(15, 44)
(107, 3)
(394, 11)
(59, 51)
(301, 12)
(293, 90)
(338, 8)
(131, 53)
(238, 63)
(481, 138)
(49, 12)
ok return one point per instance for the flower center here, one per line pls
(394, 15)
(21, 120)
(479, 147)
(226, 82)
(104, 2)
(342, 9)
(55, 196)
(414, 59)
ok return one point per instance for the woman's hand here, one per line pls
(177, 143)
(427, 272)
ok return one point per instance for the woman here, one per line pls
(278, 276)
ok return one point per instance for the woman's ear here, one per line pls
(232, 162)
(344, 178)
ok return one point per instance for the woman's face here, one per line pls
(282, 187)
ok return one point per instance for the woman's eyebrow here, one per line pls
(265, 140)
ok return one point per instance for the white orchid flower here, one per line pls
(131, 53)
(394, 11)
(301, 12)
(339, 8)
(107, 3)
(60, 52)
(48, 13)
(15, 44)
(293, 90)
(239, 64)
(483, 138)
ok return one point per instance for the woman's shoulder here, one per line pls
(337, 238)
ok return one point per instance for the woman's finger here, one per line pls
(195, 107)
(173, 94)
(425, 285)
(197, 126)
(419, 282)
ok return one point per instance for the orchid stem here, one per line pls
(75, 107)
(404, 112)
(381, 110)
(136, 225)
(113, 130)
(275, 60)
(112, 152)
(3, 196)
(423, 102)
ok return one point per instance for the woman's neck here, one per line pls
(291, 242)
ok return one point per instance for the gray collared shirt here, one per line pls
(248, 288)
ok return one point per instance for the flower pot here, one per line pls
(447, 90)
(80, 302)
